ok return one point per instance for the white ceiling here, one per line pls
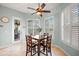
(22, 7)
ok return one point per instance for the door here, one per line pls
(34, 27)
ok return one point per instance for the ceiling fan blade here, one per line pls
(34, 13)
(31, 8)
(43, 5)
(47, 11)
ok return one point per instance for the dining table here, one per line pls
(38, 39)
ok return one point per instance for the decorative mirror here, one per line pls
(5, 19)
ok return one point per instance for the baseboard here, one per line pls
(5, 46)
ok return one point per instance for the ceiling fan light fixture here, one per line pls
(38, 13)
(40, 9)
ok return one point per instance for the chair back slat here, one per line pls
(49, 41)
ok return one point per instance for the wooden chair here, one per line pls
(43, 43)
(49, 44)
(30, 46)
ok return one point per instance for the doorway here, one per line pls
(16, 30)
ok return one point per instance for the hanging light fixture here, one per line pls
(40, 9)
(38, 13)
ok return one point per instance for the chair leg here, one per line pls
(46, 51)
(31, 51)
(26, 53)
(50, 52)
(26, 50)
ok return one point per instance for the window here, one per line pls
(65, 25)
(49, 25)
(34, 26)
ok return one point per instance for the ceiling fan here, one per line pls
(40, 9)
